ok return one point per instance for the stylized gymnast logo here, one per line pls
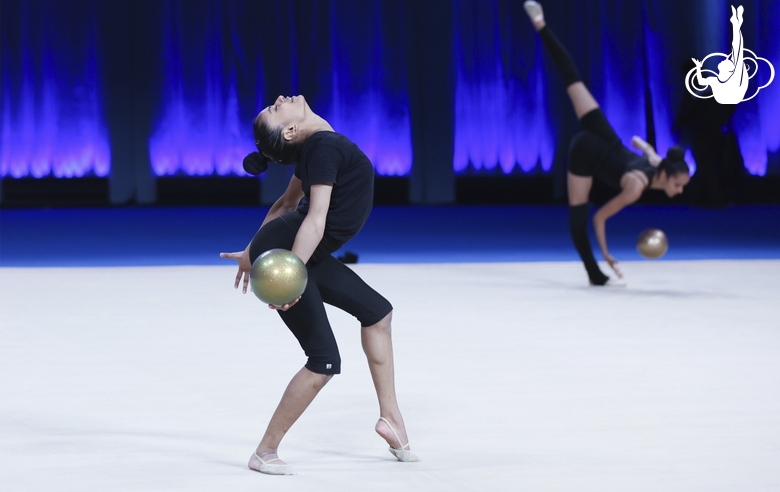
(730, 84)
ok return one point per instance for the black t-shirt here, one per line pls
(329, 157)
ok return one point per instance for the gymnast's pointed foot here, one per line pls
(270, 464)
(535, 13)
(403, 451)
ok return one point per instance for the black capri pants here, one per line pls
(331, 282)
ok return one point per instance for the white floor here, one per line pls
(510, 376)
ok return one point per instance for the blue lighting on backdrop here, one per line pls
(503, 111)
(52, 123)
(501, 115)
(384, 137)
(368, 100)
(200, 131)
(757, 122)
(663, 82)
(616, 64)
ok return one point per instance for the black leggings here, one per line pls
(331, 282)
(578, 226)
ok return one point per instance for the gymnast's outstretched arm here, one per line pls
(630, 193)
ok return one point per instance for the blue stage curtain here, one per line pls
(145, 88)
(51, 119)
(756, 122)
(501, 93)
(359, 80)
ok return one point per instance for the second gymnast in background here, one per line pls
(597, 151)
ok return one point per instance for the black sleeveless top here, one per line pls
(609, 161)
(598, 151)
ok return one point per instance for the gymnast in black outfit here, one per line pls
(326, 203)
(597, 151)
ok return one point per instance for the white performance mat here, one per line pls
(510, 377)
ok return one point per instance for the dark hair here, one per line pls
(255, 163)
(674, 162)
(273, 146)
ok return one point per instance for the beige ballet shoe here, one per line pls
(534, 10)
(401, 453)
(269, 468)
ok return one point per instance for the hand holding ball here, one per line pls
(278, 277)
(652, 243)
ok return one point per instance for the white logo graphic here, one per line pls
(730, 84)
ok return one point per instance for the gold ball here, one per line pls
(278, 277)
(652, 243)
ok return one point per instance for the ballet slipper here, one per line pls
(534, 10)
(269, 468)
(401, 453)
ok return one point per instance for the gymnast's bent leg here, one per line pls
(343, 288)
(308, 321)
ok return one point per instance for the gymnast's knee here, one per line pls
(384, 321)
(378, 314)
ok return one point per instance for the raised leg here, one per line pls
(581, 98)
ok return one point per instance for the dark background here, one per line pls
(415, 52)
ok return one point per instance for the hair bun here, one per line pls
(255, 163)
(675, 153)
